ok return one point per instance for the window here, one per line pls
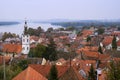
(27, 48)
(23, 40)
(27, 40)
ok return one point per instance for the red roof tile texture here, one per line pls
(44, 69)
(7, 59)
(29, 74)
(107, 40)
(12, 48)
(87, 33)
(34, 38)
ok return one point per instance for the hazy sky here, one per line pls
(59, 9)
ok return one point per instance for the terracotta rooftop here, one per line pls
(87, 32)
(104, 57)
(29, 74)
(44, 69)
(84, 65)
(34, 38)
(7, 59)
(115, 33)
(107, 40)
(118, 43)
(16, 48)
(91, 54)
(87, 48)
(40, 72)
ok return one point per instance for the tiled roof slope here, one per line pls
(40, 72)
(44, 69)
(29, 74)
(16, 48)
(7, 59)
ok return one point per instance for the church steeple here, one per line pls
(25, 27)
(25, 40)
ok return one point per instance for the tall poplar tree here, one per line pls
(100, 50)
(92, 73)
(113, 71)
(114, 43)
(53, 74)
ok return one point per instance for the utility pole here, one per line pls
(4, 66)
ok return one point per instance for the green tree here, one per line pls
(38, 31)
(23, 64)
(92, 73)
(39, 50)
(50, 53)
(50, 29)
(53, 74)
(31, 52)
(88, 39)
(100, 49)
(114, 71)
(114, 43)
(31, 31)
(71, 28)
(9, 35)
(52, 50)
(61, 29)
(101, 30)
(11, 71)
(35, 32)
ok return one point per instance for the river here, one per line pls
(18, 28)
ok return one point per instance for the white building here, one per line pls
(25, 40)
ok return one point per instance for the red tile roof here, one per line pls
(84, 64)
(116, 59)
(107, 40)
(87, 33)
(91, 54)
(63, 37)
(40, 72)
(29, 74)
(87, 48)
(12, 48)
(7, 59)
(104, 57)
(115, 33)
(44, 69)
(118, 43)
(34, 38)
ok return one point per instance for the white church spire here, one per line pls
(25, 40)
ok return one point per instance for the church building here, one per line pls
(25, 40)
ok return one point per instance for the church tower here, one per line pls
(25, 40)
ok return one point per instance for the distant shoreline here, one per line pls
(3, 23)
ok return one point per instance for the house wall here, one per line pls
(118, 48)
(109, 46)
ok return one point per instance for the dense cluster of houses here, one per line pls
(75, 69)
